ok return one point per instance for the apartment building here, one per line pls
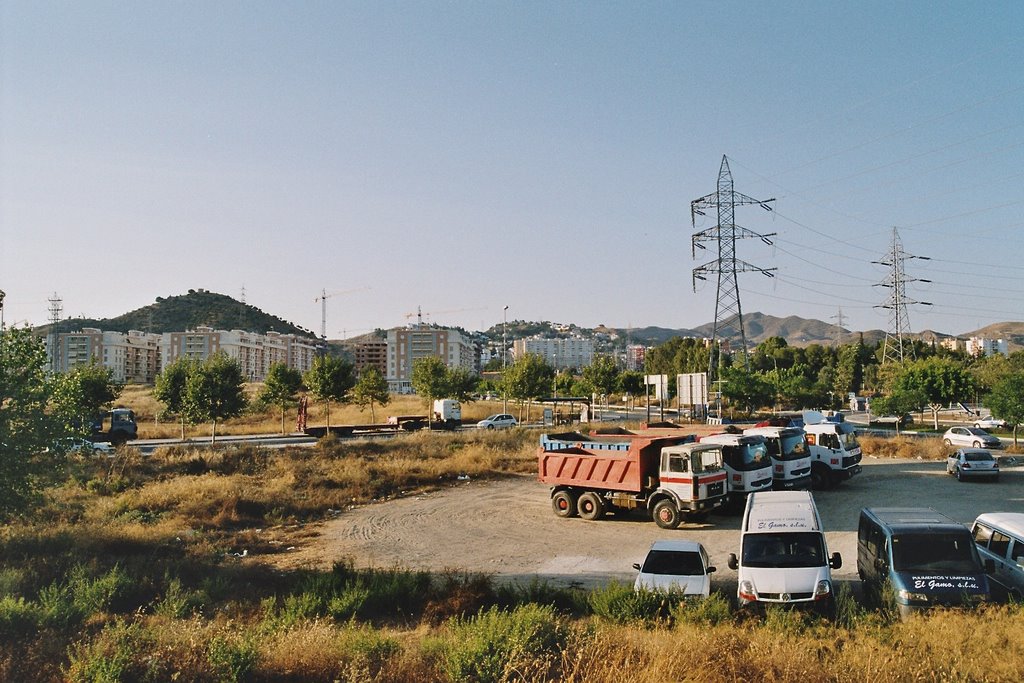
(372, 353)
(572, 352)
(407, 345)
(254, 352)
(132, 357)
(980, 346)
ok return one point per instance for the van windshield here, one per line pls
(847, 436)
(791, 549)
(934, 552)
(794, 447)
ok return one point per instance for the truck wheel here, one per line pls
(821, 477)
(590, 506)
(564, 504)
(666, 514)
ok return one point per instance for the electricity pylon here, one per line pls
(728, 312)
(898, 345)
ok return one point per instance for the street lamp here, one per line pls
(504, 351)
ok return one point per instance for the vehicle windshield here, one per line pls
(848, 436)
(934, 552)
(794, 446)
(710, 460)
(750, 456)
(793, 549)
(674, 563)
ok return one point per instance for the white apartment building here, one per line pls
(409, 344)
(573, 352)
(132, 357)
(254, 352)
(978, 346)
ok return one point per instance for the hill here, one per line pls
(188, 311)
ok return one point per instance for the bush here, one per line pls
(496, 645)
(714, 610)
(18, 617)
(620, 604)
(232, 659)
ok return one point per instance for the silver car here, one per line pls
(972, 463)
(970, 436)
(675, 566)
(498, 421)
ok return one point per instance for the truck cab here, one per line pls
(791, 459)
(747, 463)
(834, 449)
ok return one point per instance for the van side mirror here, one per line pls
(636, 566)
(836, 561)
(711, 569)
(733, 562)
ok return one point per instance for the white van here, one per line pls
(1000, 538)
(783, 555)
(746, 462)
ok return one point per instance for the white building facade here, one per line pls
(409, 344)
(572, 352)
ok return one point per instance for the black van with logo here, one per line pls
(928, 558)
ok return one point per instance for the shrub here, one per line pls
(495, 645)
(232, 659)
(109, 657)
(620, 604)
(712, 611)
(18, 617)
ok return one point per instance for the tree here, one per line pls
(215, 391)
(942, 381)
(529, 377)
(329, 379)
(280, 386)
(170, 387)
(429, 380)
(1007, 400)
(461, 384)
(899, 403)
(747, 389)
(86, 392)
(29, 422)
(602, 374)
(371, 389)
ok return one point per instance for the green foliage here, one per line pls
(329, 379)
(603, 374)
(495, 645)
(64, 605)
(86, 391)
(370, 390)
(232, 658)
(215, 391)
(30, 422)
(461, 384)
(1006, 400)
(280, 387)
(429, 378)
(677, 356)
(940, 380)
(108, 658)
(746, 389)
(177, 601)
(18, 617)
(620, 604)
(529, 377)
(711, 611)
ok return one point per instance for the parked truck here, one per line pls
(835, 452)
(447, 415)
(672, 478)
(747, 463)
(115, 426)
(791, 460)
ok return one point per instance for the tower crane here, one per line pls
(324, 296)
(419, 312)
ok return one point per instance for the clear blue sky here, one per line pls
(464, 156)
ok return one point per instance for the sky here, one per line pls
(455, 158)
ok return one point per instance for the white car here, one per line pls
(989, 422)
(86, 447)
(679, 566)
(972, 463)
(970, 436)
(497, 421)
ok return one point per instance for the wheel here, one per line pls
(977, 444)
(564, 504)
(821, 477)
(959, 475)
(490, 426)
(947, 442)
(590, 506)
(666, 514)
(977, 426)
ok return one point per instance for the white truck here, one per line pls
(791, 460)
(746, 462)
(447, 414)
(835, 452)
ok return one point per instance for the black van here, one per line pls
(928, 558)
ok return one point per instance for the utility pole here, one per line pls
(504, 347)
(838, 333)
(895, 349)
(56, 312)
(728, 312)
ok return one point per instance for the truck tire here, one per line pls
(590, 506)
(666, 514)
(821, 477)
(564, 504)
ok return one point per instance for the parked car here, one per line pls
(497, 421)
(85, 447)
(972, 463)
(970, 436)
(989, 422)
(679, 566)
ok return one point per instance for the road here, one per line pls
(506, 528)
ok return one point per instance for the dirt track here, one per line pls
(506, 528)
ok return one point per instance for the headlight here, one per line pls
(823, 589)
(906, 596)
(746, 590)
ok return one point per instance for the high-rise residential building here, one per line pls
(572, 352)
(635, 356)
(254, 352)
(132, 357)
(408, 344)
(369, 353)
(980, 346)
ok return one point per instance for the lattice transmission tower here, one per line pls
(728, 312)
(56, 313)
(898, 345)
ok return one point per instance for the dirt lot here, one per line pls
(506, 528)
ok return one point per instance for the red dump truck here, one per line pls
(670, 477)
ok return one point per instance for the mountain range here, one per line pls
(200, 307)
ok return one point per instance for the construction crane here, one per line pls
(419, 313)
(324, 296)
